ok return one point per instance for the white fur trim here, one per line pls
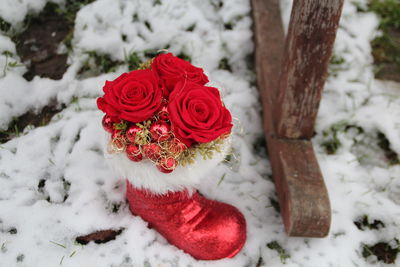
(145, 175)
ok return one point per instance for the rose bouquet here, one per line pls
(164, 119)
(164, 113)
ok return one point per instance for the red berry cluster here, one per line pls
(152, 140)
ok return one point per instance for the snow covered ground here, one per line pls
(55, 185)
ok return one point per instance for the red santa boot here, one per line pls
(206, 229)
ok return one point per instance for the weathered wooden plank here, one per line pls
(269, 40)
(308, 48)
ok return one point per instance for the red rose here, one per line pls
(172, 69)
(134, 96)
(197, 114)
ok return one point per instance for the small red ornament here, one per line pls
(160, 131)
(151, 151)
(167, 165)
(131, 133)
(108, 123)
(163, 114)
(116, 134)
(118, 139)
(177, 147)
(133, 152)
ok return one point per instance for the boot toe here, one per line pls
(221, 234)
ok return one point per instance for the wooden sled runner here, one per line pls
(291, 73)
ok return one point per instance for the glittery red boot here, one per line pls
(206, 229)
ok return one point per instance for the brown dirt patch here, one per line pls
(99, 237)
(37, 45)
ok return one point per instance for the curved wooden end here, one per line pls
(301, 189)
